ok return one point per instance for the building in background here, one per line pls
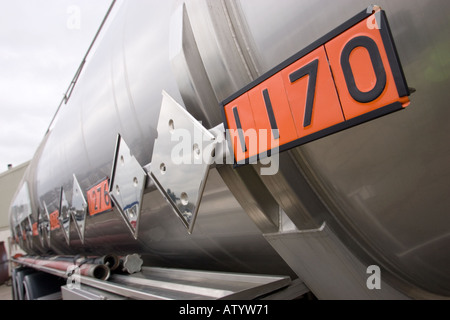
(9, 181)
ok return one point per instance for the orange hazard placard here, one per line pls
(98, 198)
(35, 229)
(350, 76)
(54, 221)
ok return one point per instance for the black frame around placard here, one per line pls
(395, 65)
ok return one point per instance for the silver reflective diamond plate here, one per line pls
(182, 155)
(127, 185)
(78, 208)
(64, 215)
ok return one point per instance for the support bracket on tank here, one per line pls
(182, 156)
(44, 225)
(126, 189)
(64, 215)
(78, 208)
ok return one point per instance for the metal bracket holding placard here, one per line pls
(45, 226)
(128, 181)
(27, 228)
(64, 215)
(78, 208)
(182, 156)
(41, 226)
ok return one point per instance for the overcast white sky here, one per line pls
(42, 43)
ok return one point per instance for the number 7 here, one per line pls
(311, 70)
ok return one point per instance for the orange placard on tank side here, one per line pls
(350, 76)
(54, 221)
(35, 229)
(98, 198)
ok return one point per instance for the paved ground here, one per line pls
(5, 292)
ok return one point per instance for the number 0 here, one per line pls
(377, 64)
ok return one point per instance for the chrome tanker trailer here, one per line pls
(247, 149)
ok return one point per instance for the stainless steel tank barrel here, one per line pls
(378, 191)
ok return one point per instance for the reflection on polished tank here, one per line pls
(307, 139)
